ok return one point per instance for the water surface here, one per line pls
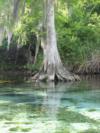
(46, 108)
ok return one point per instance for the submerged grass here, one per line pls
(90, 131)
(72, 116)
(58, 111)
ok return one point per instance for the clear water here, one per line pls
(46, 108)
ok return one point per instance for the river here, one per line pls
(48, 108)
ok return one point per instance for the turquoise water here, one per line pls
(49, 108)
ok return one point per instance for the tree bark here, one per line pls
(52, 65)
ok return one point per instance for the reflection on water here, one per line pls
(45, 108)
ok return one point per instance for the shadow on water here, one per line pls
(49, 108)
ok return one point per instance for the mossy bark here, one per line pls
(52, 68)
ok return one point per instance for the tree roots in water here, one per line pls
(56, 74)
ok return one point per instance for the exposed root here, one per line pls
(57, 73)
(91, 67)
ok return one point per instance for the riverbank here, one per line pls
(21, 75)
(13, 75)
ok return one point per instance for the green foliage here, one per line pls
(78, 34)
(35, 67)
(77, 26)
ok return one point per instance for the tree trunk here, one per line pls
(9, 36)
(52, 66)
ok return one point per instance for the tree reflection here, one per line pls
(52, 100)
